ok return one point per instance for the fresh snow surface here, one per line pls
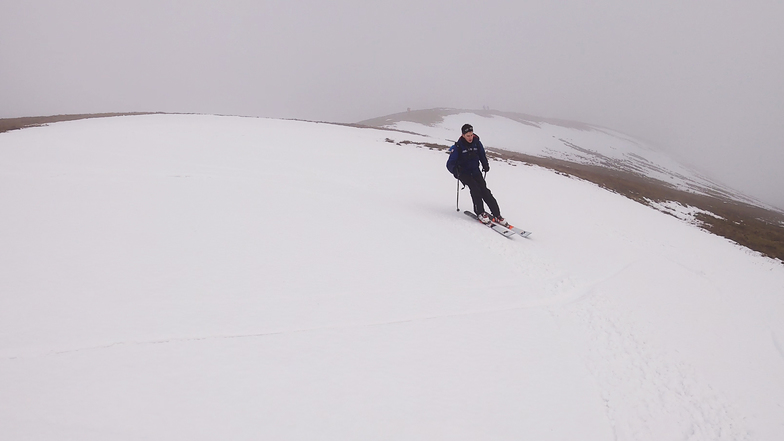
(175, 277)
(683, 212)
(583, 144)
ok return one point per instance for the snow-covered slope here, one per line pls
(199, 277)
(565, 140)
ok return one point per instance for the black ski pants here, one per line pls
(480, 194)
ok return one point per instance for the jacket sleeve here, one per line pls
(483, 155)
(451, 163)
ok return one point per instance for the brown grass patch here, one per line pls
(756, 228)
(9, 124)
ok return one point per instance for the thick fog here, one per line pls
(701, 79)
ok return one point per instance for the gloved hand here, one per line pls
(485, 168)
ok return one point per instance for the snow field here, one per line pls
(201, 277)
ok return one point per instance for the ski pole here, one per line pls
(458, 194)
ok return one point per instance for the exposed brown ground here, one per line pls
(34, 121)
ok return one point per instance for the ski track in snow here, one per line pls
(174, 340)
(649, 393)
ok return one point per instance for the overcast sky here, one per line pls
(703, 79)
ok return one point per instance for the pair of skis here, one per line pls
(500, 229)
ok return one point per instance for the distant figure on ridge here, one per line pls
(463, 163)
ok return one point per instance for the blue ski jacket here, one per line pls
(464, 158)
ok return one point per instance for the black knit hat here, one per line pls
(466, 128)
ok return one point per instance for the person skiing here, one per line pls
(464, 159)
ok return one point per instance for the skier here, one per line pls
(463, 163)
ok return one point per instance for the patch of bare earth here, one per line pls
(9, 124)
